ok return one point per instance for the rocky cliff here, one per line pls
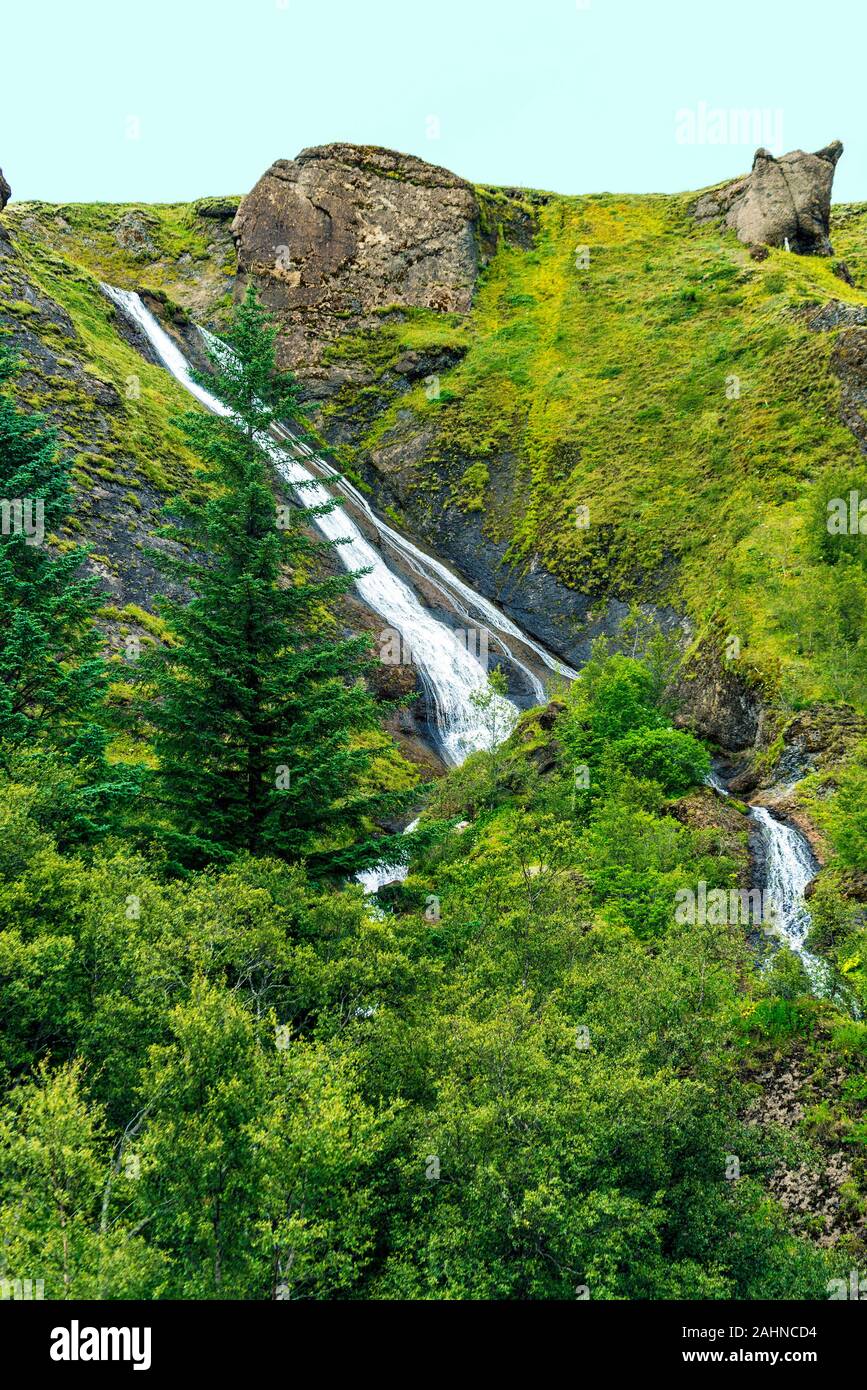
(343, 232)
(582, 402)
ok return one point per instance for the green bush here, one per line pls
(671, 757)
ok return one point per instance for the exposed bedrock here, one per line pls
(781, 202)
(343, 231)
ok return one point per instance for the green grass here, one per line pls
(671, 386)
(612, 386)
(141, 433)
(190, 261)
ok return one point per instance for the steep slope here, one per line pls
(583, 402)
(114, 405)
(579, 401)
(111, 405)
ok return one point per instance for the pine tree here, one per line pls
(256, 706)
(50, 671)
(52, 676)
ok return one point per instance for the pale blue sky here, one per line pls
(571, 95)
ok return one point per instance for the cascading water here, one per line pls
(448, 666)
(468, 604)
(789, 867)
(449, 670)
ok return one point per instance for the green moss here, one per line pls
(140, 428)
(672, 386)
(153, 624)
(471, 497)
(176, 235)
(20, 308)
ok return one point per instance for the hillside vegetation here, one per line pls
(648, 370)
(630, 363)
(517, 1074)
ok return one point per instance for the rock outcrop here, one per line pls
(5, 192)
(849, 362)
(716, 702)
(133, 233)
(221, 209)
(811, 1192)
(344, 231)
(785, 201)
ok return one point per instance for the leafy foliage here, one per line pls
(495, 1088)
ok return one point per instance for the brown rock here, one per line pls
(132, 232)
(344, 231)
(743, 783)
(853, 885)
(836, 314)
(716, 702)
(782, 202)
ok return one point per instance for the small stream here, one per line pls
(789, 865)
(448, 662)
(783, 866)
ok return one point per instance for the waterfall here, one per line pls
(465, 601)
(448, 667)
(446, 661)
(789, 866)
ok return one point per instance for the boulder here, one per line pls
(344, 232)
(782, 202)
(5, 192)
(717, 703)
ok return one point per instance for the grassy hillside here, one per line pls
(634, 404)
(639, 406)
(522, 1075)
(673, 387)
(115, 412)
(173, 248)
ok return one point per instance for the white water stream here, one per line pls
(789, 865)
(445, 659)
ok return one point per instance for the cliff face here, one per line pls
(581, 402)
(344, 231)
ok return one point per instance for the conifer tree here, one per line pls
(256, 704)
(52, 676)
